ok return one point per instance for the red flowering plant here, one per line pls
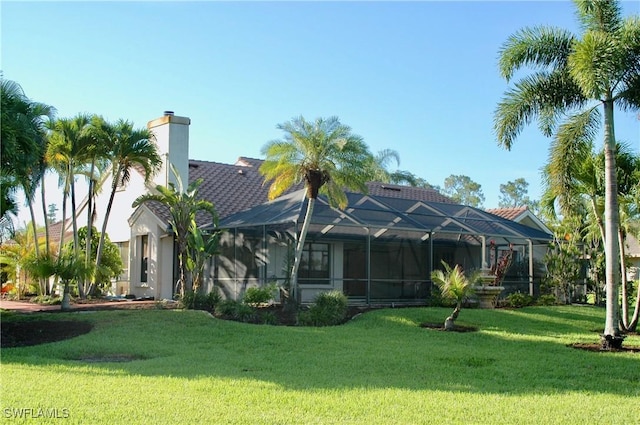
(500, 267)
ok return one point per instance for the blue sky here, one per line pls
(417, 77)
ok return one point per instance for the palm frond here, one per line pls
(539, 48)
(598, 15)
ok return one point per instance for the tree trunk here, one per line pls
(87, 259)
(623, 282)
(114, 187)
(611, 214)
(65, 194)
(66, 298)
(598, 216)
(299, 248)
(47, 239)
(449, 322)
(633, 324)
(76, 240)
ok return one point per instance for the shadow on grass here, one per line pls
(519, 354)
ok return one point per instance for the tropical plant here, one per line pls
(23, 145)
(17, 253)
(328, 309)
(65, 156)
(183, 206)
(323, 154)
(571, 78)
(257, 295)
(130, 149)
(578, 187)
(563, 268)
(202, 246)
(454, 285)
(111, 264)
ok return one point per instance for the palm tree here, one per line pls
(65, 154)
(572, 77)
(453, 285)
(94, 151)
(129, 149)
(183, 207)
(24, 141)
(323, 154)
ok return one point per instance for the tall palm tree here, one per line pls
(23, 144)
(94, 151)
(183, 206)
(65, 154)
(130, 149)
(572, 78)
(323, 154)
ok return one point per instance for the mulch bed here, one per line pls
(34, 332)
(456, 328)
(598, 348)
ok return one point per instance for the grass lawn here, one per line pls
(185, 367)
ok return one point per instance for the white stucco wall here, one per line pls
(160, 256)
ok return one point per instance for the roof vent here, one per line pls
(241, 172)
(168, 113)
(395, 189)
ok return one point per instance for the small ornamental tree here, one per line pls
(453, 285)
(563, 269)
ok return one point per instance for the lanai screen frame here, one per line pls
(376, 217)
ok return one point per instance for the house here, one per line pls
(380, 249)
(632, 250)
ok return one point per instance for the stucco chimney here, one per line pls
(172, 137)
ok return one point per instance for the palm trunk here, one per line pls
(43, 200)
(300, 248)
(598, 217)
(66, 298)
(87, 258)
(76, 240)
(623, 282)
(611, 334)
(449, 322)
(47, 239)
(633, 324)
(41, 281)
(114, 187)
(65, 194)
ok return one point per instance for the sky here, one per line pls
(417, 77)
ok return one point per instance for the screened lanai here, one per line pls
(378, 250)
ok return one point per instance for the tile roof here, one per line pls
(508, 213)
(237, 187)
(407, 192)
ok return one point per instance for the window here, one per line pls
(123, 248)
(314, 264)
(144, 258)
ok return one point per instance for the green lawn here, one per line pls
(381, 368)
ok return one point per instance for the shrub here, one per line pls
(267, 318)
(547, 300)
(244, 313)
(197, 301)
(47, 300)
(257, 295)
(329, 308)
(518, 300)
(226, 308)
(236, 310)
